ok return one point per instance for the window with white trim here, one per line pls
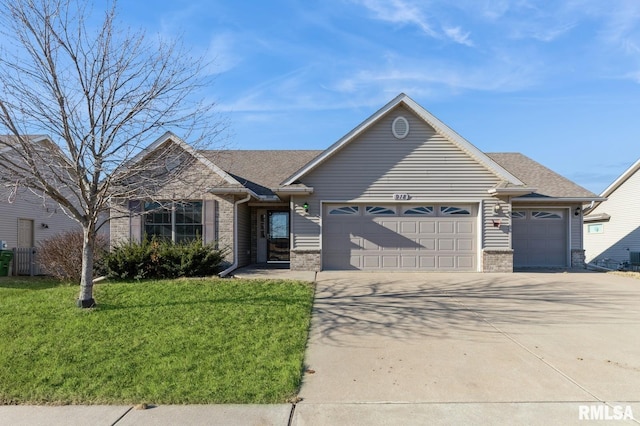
(177, 221)
(379, 210)
(344, 210)
(595, 228)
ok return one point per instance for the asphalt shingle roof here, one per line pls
(533, 174)
(261, 171)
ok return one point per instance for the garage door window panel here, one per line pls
(546, 215)
(420, 210)
(379, 210)
(345, 210)
(454, 211)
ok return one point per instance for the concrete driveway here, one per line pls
(533, 348)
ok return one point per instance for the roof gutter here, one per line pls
(236, 250)
(496, 192)
(294, 190)
(559, 199)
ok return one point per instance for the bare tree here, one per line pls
(103, 94)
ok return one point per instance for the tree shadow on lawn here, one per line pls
(431, 306)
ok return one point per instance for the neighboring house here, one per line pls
(26, 217)
(401, 191)
(612, 227)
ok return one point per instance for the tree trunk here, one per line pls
(86, 299)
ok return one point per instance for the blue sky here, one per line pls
(558, 81)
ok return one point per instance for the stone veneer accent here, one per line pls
(497, 260)
(578, 258)
(305, 260)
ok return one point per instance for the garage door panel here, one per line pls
(370, 245)
(408, 228)
(464, 228)
(371, 262)
(427, 262)
(465, 262)
(409, 262)
(446, 262)
(413, 242)
(465, 245)
(390, 262)
(390, 225)
(446, 244)
(427, 243)
(427, 227)
(445, 227)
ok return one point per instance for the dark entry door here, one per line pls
(278, 237)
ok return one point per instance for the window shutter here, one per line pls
(135, 221)
(209, 225)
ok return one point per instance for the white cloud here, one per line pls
(457, 35)
(405, 12)
(399, 12)
(222, 49)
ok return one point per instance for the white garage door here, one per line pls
(539, 237)
(393, 237)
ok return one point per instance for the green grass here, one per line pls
(162, 342)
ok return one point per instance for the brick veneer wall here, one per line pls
(578, 258)
(497, 260)
(305, 260)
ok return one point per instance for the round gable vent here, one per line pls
(400, 127)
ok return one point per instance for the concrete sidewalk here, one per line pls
(329, 414)
(101, 415)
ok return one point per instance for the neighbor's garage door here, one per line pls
(393, 237)
(539, 237)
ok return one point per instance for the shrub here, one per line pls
(157, 258)
(61, 256)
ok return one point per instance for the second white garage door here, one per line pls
(395, 237)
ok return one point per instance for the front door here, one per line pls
(278, 237)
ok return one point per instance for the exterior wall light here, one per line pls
(577, 211)
(305, 206)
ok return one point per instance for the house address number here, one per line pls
(401, 196)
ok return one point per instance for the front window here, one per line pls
(176, 221)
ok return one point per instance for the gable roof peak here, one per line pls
(425, 115)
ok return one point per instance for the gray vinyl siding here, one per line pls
(493, 236)
(575, 227)
(376, 165)
(622, 232)
(29, 206)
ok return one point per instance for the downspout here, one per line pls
(236, 250)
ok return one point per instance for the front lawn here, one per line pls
(159, 342)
